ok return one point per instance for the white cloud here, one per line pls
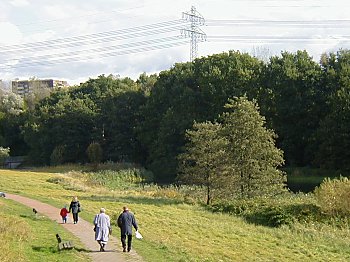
(10, 33)
(19, 3)
(44, 21)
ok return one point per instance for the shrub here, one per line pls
(333, 196)
(57, 155)
(276, 217)
(4, 153)
(94, 153)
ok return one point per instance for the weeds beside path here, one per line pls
(83, 230)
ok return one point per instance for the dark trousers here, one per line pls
(123, 239)
(75, 217)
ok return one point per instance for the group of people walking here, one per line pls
(74, 207)
(102, 224)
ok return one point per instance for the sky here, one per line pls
(75, 40)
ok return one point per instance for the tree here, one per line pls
(94, 153)
(293, 94)
(204, 159)
(4, 153)
(254, 158)
(120, 117)
(333, 147)
(235, 158)
(192, 92)
(11, 119)
(11, 104)
(57, 155)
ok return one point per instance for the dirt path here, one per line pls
(82, 230)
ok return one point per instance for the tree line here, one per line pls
(305, 103)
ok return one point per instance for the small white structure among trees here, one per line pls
(236, 157)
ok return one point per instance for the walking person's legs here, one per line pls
(129, 242)
(123, 239)
(75, 218)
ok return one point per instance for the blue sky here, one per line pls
(75, 39)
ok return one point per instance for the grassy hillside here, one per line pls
(174, 230)
(26, 237)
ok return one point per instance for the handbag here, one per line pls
(95, 228)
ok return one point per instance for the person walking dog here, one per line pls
(126, 221)
(102, 228)
(75, 208)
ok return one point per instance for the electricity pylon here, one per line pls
(193, 32)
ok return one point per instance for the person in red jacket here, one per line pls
(64, 213)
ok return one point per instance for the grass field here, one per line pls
(176, 231)
(26, 237)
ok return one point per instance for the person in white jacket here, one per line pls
(102, 228)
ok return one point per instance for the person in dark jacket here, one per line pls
(75, 209)
(126, 221)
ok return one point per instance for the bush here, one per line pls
(57, 155)
(276, 217)
(4, 153)
(94, 153)
(333, 196)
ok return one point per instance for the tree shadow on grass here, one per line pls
(56, 250)
(35, 217)
(134, 200)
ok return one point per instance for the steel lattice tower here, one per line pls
(193, 32)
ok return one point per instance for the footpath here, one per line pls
(84, 231)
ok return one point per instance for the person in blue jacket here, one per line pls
(126, 221)
(74, 207)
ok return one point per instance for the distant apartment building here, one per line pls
(25, 87)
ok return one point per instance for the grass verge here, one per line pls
(26, 237)
(177, 231)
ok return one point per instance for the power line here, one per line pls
(295, 23)
(79, 53)
(5, 48)
(155, 46)
(88, 41)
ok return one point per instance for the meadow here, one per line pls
(176, 225)
(29, 237)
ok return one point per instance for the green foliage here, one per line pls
(120, 119)
(334, 132)
(253, 157)
(57, 155)
(4, 153)
(275, 212)
(94, 153)
(192, 92)
(305, 179)
(237, 158)
(257, 212)
(294, 94)
(11, 103)
(333, 195)
(145, 121)
(26, 237)
(204, 159)
(190, 224)
(125, 178)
